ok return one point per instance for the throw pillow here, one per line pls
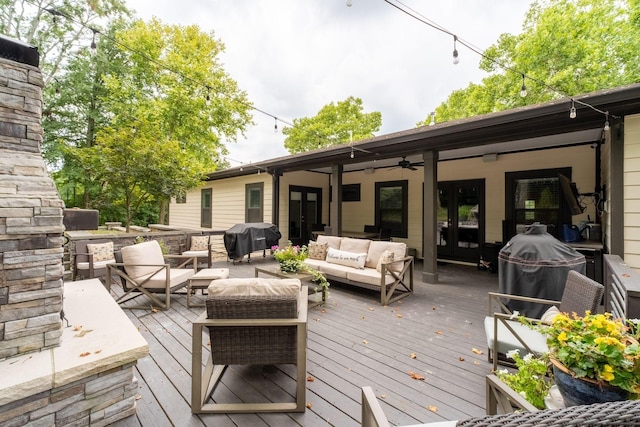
(199, 243)
(101, 251)
(349, 259)
(318, 250)
(548, 315)
(385, 258)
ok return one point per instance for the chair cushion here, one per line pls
(386, 257)
(253, 286)
(349, 259)
(332, 241)
(139, 259)
(354, 245)
(199, 243)
(177, 277)
(101, 251)
(318, 250)
(376, 248)
(96, 265)
(507, 341)
(204, 253)
(548, 315)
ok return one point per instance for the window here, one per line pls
(254, 202)
(536, 196)
(351, 193)
(205, 208)
(391, 207)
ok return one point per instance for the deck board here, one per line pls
(353, 341)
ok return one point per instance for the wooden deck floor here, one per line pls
(353, 341)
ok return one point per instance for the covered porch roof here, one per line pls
(527, 128)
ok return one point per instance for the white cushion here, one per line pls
(96, 265)
(254, 286)
(196, 253)
(350, 259)
(332, 241)
(101, 251)
(549, 315)
(354, 245)
(376, 249)
(177, 276)
(139, 259)
(368, 276)
(508, 342)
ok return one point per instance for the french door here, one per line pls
(460, 220)
(305, 211)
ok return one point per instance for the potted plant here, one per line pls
(291, 259)
(601, 353)
(530, 380)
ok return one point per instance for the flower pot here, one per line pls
(584, 391)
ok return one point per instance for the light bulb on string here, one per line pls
(607, 128)
(352, 155)
(523, 89)
(93, 40)
(349, 3)
(275, 126)
(572, 111)
(432, 121)
(456, 59)
(208, 97)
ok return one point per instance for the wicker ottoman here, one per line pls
(202, 279)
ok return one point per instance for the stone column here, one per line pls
(31, 228)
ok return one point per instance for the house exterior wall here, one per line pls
(631, 192)
(228, 206)
(229, 196)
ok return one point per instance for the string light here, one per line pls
(456, 59)
(349, 3)
(275, 126)
(572, 111)
(93, 39)
(523, 89)
(432, 121)
(352, 155)
(607, 128)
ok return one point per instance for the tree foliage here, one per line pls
(567, 47)
(334, 124)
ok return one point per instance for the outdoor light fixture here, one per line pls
(572, 112)
(523, 89)
(456, 60)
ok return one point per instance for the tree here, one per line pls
(169, 109)
(334, 124)
(568, 47)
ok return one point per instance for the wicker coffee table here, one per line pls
(274, 270)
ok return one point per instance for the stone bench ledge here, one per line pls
(100, 337)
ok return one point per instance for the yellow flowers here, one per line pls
(607, 373)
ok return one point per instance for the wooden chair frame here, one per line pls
(134, 288)
(399, 284)
(203, 384)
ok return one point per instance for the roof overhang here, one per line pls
(534, 127)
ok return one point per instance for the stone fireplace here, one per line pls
(51, 373)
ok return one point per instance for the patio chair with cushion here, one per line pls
(505, 332)
(91, 257)
(199, 246)
(144, 270)
(253, 321)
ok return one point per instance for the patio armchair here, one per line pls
(91, 257)
(621, 413)
(505, 333)
(199, 246)
(142, 269)
(252, 321)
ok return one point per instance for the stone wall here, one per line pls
(31, 225)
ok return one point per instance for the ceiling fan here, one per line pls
(406, 164)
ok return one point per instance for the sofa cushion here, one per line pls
(354, 245)
(318, 250)
(336, 270)
(332, 241)
(368, 276)
(199, 243)
(376, 248)
(139, 259)
(254, 286)
(386, 257)
(101, 251)
(349, 259)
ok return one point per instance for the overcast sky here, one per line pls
(293, 57)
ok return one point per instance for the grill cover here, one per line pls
(242, 239)
(536, 264)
